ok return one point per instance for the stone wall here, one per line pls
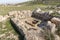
(25, 23)
(39, 31)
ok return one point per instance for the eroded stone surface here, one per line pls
(36, 26)
(32, 25)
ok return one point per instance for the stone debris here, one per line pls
(57, 37)
(16, 14)
(55, 20)
(58, 12)
(42, 15)
(2, 35)
(8, 35)
(3, 18)
(35, 26)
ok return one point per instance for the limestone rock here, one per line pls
(41, 15)
(48, 25)
(29, 32)
(34, 35)
(58, 12)
(55, 20)
(51, 11)
(37, 10)
(23, 21)
(57, 37)
(3, 18)
(52, 26)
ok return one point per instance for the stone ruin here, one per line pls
(35, 25)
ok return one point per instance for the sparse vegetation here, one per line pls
(5, 9)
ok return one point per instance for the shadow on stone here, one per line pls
(21, 37)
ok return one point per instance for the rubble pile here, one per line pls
(34, 25)
(15, 14)
(3, 18)
(8, 36)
